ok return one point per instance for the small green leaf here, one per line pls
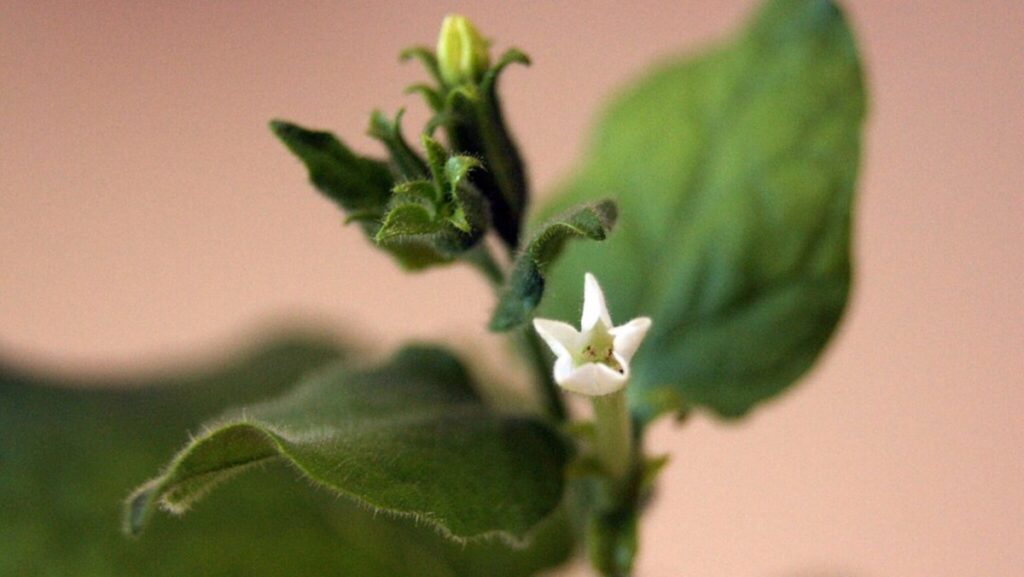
(405, 162)
(525, 285)
(511, 56)
(437, 157)
(420, 191)
(407, 220)
(357, 184)
(456, 169)
(735, 174)
(410, 438)
(430, 95)
(427, 59)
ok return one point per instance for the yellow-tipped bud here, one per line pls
(462, 53)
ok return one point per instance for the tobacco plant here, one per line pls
(712, 207)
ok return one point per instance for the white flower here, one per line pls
(594, 360)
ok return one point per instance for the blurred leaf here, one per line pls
(409, 438)
(69, 451)
(525, 285)
(734, 172)
(356, 183)
(360, 186)
(406, 163)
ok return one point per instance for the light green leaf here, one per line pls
(70, 450)
(734, 173)
(525, 286)
(410, 438)
(407, 220)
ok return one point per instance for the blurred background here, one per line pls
(148, 217)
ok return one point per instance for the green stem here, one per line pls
(481, 259)
(529, 345)
(613, 436)
(611, 532)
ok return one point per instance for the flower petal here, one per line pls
(563, 367)
(561, 337)
(592, 379)
(594, 306)
(627, 337)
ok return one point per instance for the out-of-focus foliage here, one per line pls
(69, 452)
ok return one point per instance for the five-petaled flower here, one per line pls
(593, 361)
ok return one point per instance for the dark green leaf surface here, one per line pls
(69, 451)
(734, 173)
(410, 438)
(356, 183)
(525, 285)
(362, 186)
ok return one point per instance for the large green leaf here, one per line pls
(69, 451)
(409, 438)
(734, 173)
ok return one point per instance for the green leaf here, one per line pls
(360, 185)
(363, 188)
(437, 157)
(406, 163)
(525, 285)
(457, 167)
(407, 220)
(70, 448)
(735, 174)
(427, 59)
(410, 438)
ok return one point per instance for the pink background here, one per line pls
(146, 214)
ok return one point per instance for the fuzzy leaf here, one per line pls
(70, 448)
(410, 438)
(525, 285)
(405, 162)
(735, 173)
(357, 184)
(407, 220)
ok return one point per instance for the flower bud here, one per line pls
(462, 54)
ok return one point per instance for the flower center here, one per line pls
(599, 349)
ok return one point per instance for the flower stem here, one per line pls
(613, 436)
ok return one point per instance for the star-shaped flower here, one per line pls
(593, 361)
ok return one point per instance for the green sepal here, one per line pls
(406, 220)
(511, 56)
(431, 96)
(525, 286)
(415, 191)
(427, 58)
(409, 438)
(437, 157)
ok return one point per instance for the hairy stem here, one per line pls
(482, 260)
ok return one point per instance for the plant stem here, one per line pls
(529, 344)
(613, 436)
(481, 259)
